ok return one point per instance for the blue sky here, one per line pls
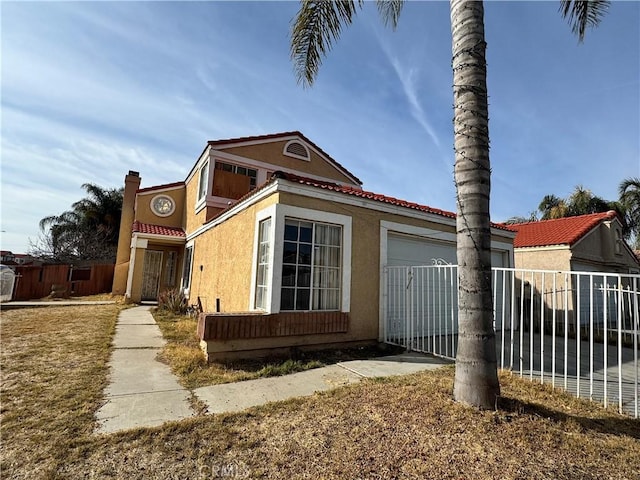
(91, 90)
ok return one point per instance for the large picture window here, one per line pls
(311, 266)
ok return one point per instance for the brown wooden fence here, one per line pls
(33, 282)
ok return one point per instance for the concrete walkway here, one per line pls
(144, 393)
(234, 397)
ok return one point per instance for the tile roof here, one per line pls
(157, 229)
(273, 136)
(356, 192)
(160, 187)
(560, 231)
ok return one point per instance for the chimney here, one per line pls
(131, 186)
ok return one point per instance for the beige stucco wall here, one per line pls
(225, 253)
(598, 250)
(192, 221)
(272, 153)
(145, 214)
(558, 259)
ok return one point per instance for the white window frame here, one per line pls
(171, 267)
(186, 288)
(203, 182)
(269, 265)
(278, 214)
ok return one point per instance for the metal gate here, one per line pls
(576, 330)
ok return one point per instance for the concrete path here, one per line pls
(234, 397)
(142, 392)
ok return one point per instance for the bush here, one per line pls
(173, 301)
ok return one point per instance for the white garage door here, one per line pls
(432, 295)
(403, 250)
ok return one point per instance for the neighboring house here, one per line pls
(582, 243)
(7, 258)
(282, 241)
(24, 259)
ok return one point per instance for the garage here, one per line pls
(409, 250)
(426, 296)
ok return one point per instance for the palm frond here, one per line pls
(390, 11)
(317, 25)
(583, 14)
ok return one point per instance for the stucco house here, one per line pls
(279, 243)
(582, 243)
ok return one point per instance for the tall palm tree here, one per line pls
(317, 26)
(89, 231)
(629, 192)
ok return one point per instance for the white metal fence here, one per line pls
(575, 330)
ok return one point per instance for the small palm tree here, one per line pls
(316, 27)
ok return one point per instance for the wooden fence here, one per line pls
(33, 282)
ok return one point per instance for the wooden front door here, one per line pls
(151, 274)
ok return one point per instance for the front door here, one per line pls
(151, 274)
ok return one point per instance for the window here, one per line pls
(240, 170)
(204, 179)
(170, 269)
(311, 266)
(618, 240)
(262, 272)
(186, 271)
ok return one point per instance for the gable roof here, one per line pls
(151, 229)
(282, 136)
(560, 231)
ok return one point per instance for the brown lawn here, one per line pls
(54, 369)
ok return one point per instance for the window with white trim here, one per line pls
(262, 268)
(311, 266)
(186, 269)
(204, 180)
(170, 269)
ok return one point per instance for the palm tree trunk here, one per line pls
(476, 379)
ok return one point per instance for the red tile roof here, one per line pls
(364, 194)
(560, 231)
(273, 136)
(347, 190)
(160, 187)
(157, 229)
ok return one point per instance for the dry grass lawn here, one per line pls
(405, 427)
(183, 354)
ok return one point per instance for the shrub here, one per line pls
(173, 301)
